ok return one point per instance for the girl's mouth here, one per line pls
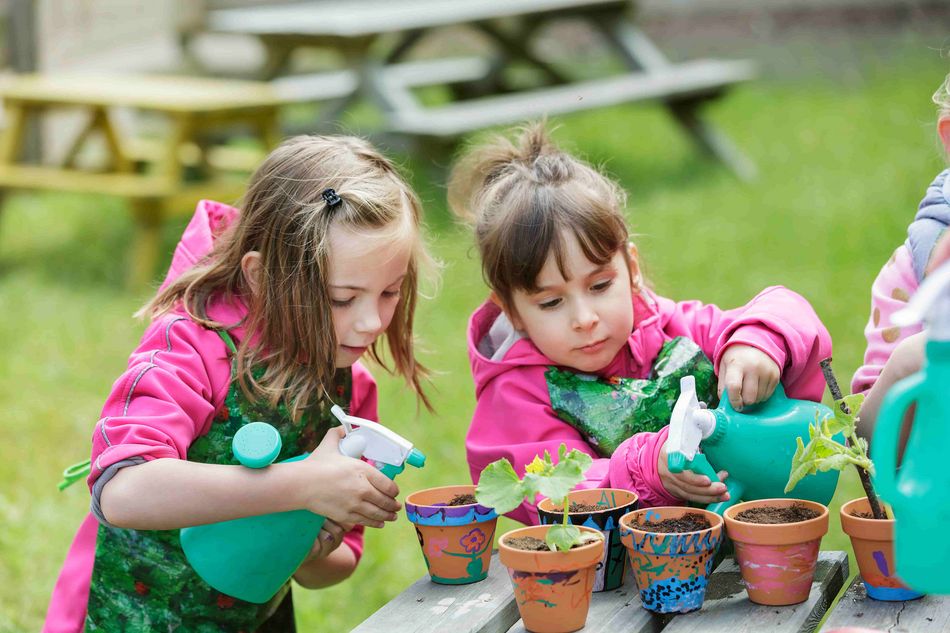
(358, 351)
(593, 348)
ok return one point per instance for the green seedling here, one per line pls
(824, 453)
(500, 488)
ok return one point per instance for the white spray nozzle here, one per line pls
(378, 443)
(931, 303)
(690, 423)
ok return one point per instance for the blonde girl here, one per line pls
(264, 315)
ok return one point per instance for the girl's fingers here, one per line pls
(382, 483)
(766, 392)
(381, 501)
(732, 383)
(750, 388)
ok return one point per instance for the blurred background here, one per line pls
(761, 142)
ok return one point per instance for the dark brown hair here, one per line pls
(286, 219)
(523, 196)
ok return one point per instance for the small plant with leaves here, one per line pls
(824, 453)
(500, 488)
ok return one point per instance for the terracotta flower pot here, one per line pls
(615, 502)
(552, 589)
(873, 544)
(777, 560)
(671, 569)
(456, 540)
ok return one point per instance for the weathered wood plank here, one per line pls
(727, 608)
(929, 614)
(618, 610)
(684, 80)
(483, 607)
(360, 19)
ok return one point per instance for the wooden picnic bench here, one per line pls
(159, 177)
(489, 607)
(355, 29)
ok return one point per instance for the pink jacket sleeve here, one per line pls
(894, 285)
(176, 379)
(514, 419)
(777, 321)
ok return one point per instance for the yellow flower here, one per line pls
(536, 467)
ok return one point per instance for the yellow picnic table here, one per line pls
(154, 180)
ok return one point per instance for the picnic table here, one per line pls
(356, 30)
(159, 177)
(489, 607)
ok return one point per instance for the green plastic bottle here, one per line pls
(251, 558)
(755, 445)
(919, 493)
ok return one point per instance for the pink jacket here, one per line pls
(893, 286)
(176, 381)
(513, 415)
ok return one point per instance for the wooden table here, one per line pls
(173, 171)
(489, 607)
(491, 98)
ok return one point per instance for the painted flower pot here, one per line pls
(873, 544)
(615, 502)
(671, 569)
(456, 540)
(777, 560)
(552, 589)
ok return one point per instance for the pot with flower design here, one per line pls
(454, 531)
(552, 567)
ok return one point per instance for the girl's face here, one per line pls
(366, 273)
(580, 321)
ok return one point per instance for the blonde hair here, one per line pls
(285, 218)
(522, 196)
(942, 97)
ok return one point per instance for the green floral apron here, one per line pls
(607, 411)
(141, 580)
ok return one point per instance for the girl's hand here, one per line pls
(347, 490)
(748, 374)
(689, 486)
(330, 537)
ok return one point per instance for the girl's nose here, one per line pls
(369, 321)
(585, 318)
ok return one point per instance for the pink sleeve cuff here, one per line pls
(354, 540)
(633, 466)
(759, 337)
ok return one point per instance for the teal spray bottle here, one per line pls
(251, 558)
(919, 493)
(755, 445)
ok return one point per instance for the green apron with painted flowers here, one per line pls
(607, 411)
(141, 580)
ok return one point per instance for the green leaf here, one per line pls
(499, 487)
(561, 538)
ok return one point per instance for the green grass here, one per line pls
(843, 160)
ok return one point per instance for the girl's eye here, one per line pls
(601, 286)
(549, 304)
(338, 303)
(392, 294)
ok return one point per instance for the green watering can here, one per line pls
(251, 558)
(920, 492)
(755, 445)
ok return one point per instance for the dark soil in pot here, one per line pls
(773, 514)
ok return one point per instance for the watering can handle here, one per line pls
(701, 466)
(889, 419)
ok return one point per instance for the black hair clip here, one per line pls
(331, 198)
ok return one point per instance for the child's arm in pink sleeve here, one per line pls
(514, 419)
(633, 466)
(777, 321)
(177, 379)
(364, 403)
(893, 286)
